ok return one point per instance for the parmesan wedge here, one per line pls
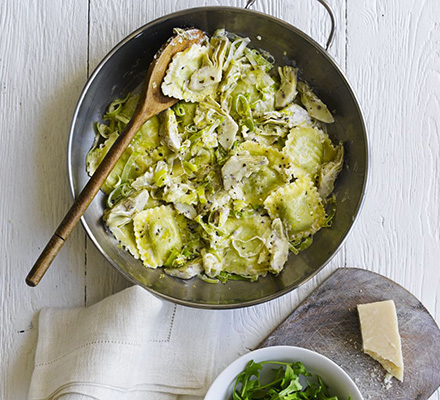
(380, 335)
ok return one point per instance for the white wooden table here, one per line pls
(390, 51)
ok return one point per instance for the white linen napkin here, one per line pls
(131, 345)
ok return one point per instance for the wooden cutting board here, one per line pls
(327, 322)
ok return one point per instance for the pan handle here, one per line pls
(331, 13)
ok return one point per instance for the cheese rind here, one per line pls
(380, 335)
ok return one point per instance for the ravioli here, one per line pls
(299, 207)
(196, 72)
(157, 235)
(309, 148)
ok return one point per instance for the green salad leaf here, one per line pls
(283, 384)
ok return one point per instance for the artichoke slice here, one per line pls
(287, 91)
(315, 107)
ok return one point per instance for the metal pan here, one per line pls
(123, 69)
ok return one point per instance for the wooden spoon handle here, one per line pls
(84, 199)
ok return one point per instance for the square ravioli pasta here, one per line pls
(157, 235)
(299, 207)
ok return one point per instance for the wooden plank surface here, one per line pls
(389, 50)
(327, 322)
(43, 54)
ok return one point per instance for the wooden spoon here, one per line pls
(151, 102)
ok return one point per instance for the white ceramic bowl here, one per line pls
(340, 384)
